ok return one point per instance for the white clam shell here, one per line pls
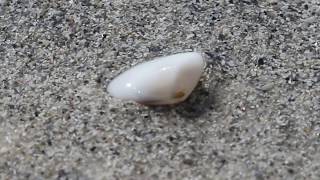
(165, 80)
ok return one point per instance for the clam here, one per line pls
(162, 81)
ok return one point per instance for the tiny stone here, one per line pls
(267, 87)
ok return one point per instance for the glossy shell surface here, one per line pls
(165, 80)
